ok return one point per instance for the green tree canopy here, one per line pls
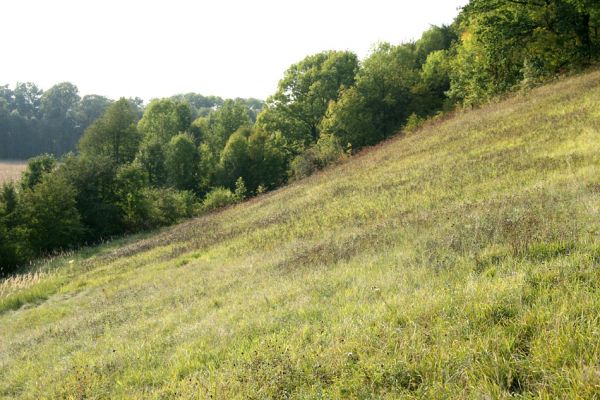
(113, 135)
(302, 96)
(181, 162)
(50, 211)
(165, 118)
(36, 168)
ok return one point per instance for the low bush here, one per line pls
(219, 197)
(326, 151)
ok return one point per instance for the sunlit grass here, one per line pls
(461, 261)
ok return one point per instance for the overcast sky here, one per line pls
(229, 48)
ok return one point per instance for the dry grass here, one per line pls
(460, 262)
(11, 170)
(16, 283)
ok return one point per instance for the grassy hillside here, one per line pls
(461, 261)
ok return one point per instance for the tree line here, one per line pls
(34, 121)
(138, 169)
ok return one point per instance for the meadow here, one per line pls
(11, 170)
(458, 261)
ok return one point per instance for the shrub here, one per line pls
(36, 168)
(219, 197)
(168, 206)
(413, 123)
(51, 214)
(240, 189)
(326, 151)
(130, 182)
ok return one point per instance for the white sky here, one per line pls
(229, 48)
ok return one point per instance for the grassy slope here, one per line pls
(459, 262)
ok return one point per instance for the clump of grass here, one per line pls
(15, 283)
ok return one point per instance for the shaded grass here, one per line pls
(461, 261)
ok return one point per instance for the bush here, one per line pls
(168, 206)
(240, 189)
(413, 123)
(326, 151)
(219, 197)
(51, 214)
(36, 168)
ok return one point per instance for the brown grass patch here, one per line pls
(11, 170)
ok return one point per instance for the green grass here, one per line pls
(460, 261)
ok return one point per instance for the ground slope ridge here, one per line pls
(461, 261)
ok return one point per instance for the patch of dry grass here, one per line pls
(11, 170)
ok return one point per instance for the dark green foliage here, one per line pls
(181, 162)
(269, 157)
(130, 184)
(36, 168)
(34, 122)
(434, 39)
(235, 159)
(113, 135)
(222, 123)
(152, 156)
(381, 100)
(94, 181)
(50, 212)
(14, 242)
(168, 206)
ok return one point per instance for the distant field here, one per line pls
(11, 170)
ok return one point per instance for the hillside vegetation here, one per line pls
(459, 261)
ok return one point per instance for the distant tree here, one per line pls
(28, 100)
(113, 135)
(58, 105)
(152, 157)
(222, 123)
(181, 162)
(59, 101)
(235, 159)
(14, 241)
(200, 130)
(90, 108)
(164, 119)
(200, 105)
